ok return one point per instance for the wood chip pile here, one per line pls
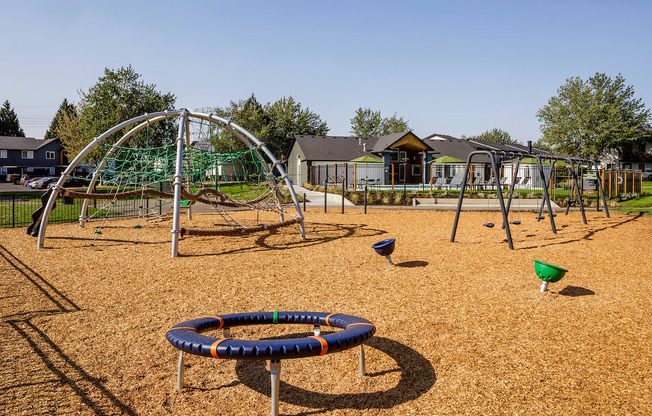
(462, 327)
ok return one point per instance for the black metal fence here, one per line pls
(16, 208)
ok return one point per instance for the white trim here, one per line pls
(27, 154)
(3, 153)
(52, 153)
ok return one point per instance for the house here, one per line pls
(404, 155)
(639, 155)
(26, 155)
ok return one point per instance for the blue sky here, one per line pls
(451, 67)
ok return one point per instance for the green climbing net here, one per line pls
(146, 167)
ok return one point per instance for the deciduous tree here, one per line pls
(588, 118)
(495, 135)
(369, 123)
(118, 96)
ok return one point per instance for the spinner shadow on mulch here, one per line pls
(416, 372)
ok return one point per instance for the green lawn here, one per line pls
(647, 187)
(644, 201)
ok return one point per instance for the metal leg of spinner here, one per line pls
(361, 360)
(226, 332)
(389, 260)
(275, 373)
(180, 367)
(316, 330)
(544, 286)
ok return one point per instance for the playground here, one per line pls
(461, 328)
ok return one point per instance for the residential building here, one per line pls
(27, 155)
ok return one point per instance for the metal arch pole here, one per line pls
(248, 138)
(459, 202)
(576, 185)
(129, 134)
(546, 197)
(501, 201)
(604, 200)
(183, 120)
(71, 167)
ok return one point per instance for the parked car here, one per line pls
(28, 181)
(14, 178)
(43, 182)
(69, 183)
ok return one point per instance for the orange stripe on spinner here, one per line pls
(362, 323)
(220, 319)
(214, 347)
(327, 323)
(324, 345)
(180, 327)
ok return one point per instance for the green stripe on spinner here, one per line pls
(275, 317)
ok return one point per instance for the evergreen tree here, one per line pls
(65, 108)
(9, 124)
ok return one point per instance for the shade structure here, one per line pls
(367, 159)
(447, 159)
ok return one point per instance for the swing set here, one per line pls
(497, 157)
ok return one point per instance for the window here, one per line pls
(404, 157)
(3, 153)
(28, 154)
(416, 170)
(393, 157)
(50, 154)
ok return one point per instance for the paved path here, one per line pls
(314, 199)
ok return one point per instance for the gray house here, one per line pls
(26, 155)
(403, 154)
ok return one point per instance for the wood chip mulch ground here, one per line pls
(462, 327)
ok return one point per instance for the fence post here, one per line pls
(13, 210)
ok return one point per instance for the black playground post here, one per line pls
(365, 198)
(546, 197)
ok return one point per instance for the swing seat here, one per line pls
(515, 222)
(488, 225)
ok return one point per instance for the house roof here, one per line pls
(335, 148)
(23, 143)
(385, 142)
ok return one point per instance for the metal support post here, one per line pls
(177, 183)
(275, 373)
(304, 202)
(546, 197)
(342, 197)
(316, 330)
(544, 286)
(365, 198)
(325, 197)
(180, 367)
(361, 361)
